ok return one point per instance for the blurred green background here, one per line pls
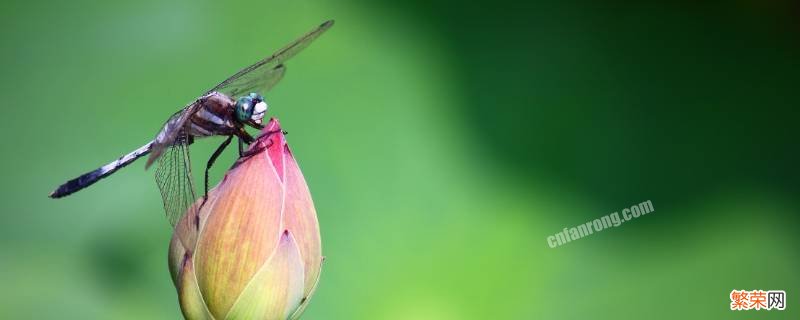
(443, 141)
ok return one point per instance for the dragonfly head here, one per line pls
(250, 109)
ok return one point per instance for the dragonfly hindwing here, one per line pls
(174, 179)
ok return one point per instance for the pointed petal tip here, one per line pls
(272, 125)
(272, 132)
(285, 236)
(276, 290)
(272, 140)
(193, 305)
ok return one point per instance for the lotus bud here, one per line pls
(253, 249)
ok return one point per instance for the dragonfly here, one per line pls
(215, 113)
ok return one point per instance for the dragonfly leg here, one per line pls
(211, 163)
(249, 153)
(246, 154)
(269, 133)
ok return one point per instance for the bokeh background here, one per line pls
(443, 141)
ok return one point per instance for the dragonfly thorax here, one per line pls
(251, 108)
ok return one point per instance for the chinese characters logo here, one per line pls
(758, 299)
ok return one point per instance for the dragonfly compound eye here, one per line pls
(244, 108)
(259, 107)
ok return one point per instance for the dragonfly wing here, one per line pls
(260, 80)
(263, 75)
(174, 178)
(174, 126)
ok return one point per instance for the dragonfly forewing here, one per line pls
(266, 73)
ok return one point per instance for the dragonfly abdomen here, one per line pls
(89, 178)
